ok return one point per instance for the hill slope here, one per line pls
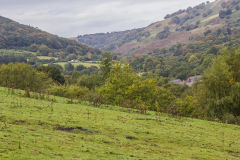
(188, 26)
(22, 37)
(40, 129)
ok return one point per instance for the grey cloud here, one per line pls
(70, 18)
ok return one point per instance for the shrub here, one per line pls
(68, 91)
(127, 89)
(229, 118)
(23, 76)
(53, 72)
(187, 106)
(57, 90)
(222, 84)
(95, 98)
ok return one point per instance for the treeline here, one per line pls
(20, 56)
(194, 10)
(178, 67)
(21, 37)
(214, 97)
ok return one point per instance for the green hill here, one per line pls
(182, 45)
(217, 21)
(39, 128)
(22, 37)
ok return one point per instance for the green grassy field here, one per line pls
(86, 64)
(37, 129)
(46, 58)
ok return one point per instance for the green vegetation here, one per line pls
(46, 57)
(222, 85)
(22, 37)
(85, 64)
(53, 72)
(124, 107)
(33, 128)
(22, 76)
(215, 97)
(166, 47)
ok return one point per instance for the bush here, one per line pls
(229, 118)
(53, 72)
(187, 107)
(69, 91)
(95, 98)
(23, 76)
(127, 89)
(90, 81)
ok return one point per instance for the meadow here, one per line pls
(46, 58)
(85, 64)
(51, 128)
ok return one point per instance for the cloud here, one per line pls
(70, 18)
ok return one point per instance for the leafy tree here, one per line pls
(22, 76)
(70, 91)
(80, 67)
(90, 81)
(222, 81)
(53, 72)
(68, 67)
(124, 87)
(106, 64)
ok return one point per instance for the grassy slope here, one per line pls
(33, 131)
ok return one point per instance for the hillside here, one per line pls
(189, 26)
(32, 128)
(22, 37)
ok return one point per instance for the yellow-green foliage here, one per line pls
(221, 82)
(188, 106)
(22, 76)
(124, 86)
(71, 91)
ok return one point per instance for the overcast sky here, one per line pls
(69, 18)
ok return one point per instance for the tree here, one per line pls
(52, 72)
(69, 67)
(80, 67)
(44, 50)
(125, 88)
(90, 81)
(222, 84)
(22, 76)
(106, 64)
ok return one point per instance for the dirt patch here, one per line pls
(74, 129)
(19, 122)
(131, 138)
(234, 153)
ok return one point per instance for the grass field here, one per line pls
(86, 64)
(38, 129)
(46, 58)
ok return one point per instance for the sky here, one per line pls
(70, 18)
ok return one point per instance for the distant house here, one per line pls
(74, 61)
(189, 82)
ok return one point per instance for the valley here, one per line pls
(169, 90)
